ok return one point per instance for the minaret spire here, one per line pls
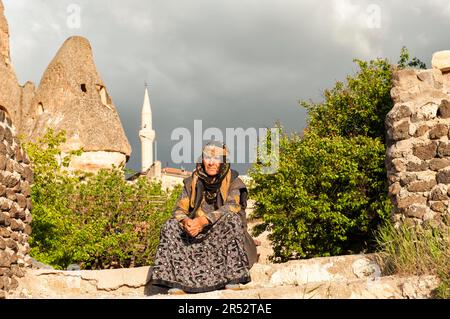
(146, 134)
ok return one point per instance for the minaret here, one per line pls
(147, 134)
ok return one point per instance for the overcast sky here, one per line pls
(230, 63)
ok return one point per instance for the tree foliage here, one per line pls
(97, 221)
(329, 194)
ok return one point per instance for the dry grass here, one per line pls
(417, 251)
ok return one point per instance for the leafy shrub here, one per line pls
(326, 198)
(330, 192)
(98, 221)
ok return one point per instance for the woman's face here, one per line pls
(212, 162)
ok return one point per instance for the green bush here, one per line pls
(329, 194)
(326, 198)
(97, 221)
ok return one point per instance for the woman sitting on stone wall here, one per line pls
(206, 246)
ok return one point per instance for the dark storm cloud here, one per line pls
(230, 63)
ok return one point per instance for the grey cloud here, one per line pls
(230, 63)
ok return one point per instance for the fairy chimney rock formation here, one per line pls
(72, 97)
(10, 90)
(418, 144)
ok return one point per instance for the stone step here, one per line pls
(133, 282)
(315, 270)
(391, 287)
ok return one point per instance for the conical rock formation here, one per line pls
(72, 97)
(10, 90)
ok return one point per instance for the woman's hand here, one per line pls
(195, 226)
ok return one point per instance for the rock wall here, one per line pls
(10, 91)
(418, 144)
(15, 207)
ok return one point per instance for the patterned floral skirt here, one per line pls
(213, 259)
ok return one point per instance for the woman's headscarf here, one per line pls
(212, 183)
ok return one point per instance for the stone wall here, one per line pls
(15, 207)
(418, 144)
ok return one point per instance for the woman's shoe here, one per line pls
(233, 287)
(176, 291)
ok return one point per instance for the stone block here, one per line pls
(432, 77)
(10, 194)
(398, 165)
(398, 112)
(3, 161)
(437, 164)
(5, 259)
(17, 271)
(443, 149)
(12, 245)
(441, 61)
(438, 131)
(443, 177)
(428, 111)
(416, 167)
(19, 155)
(393, 178)
(438, 206)
(13, 284)
(18, 168)
(399, 131)
(401, 149)
(405, 202)
(21, 200)
(425, 152)
(28, 174)
(15, 236)
(5, 233)
(3, 217)
(16, 225)
(10, 180)
(407, 179)
(5, 204)
(439, 193)
(421, 130)
(395, 188)
(444, 109)
(10, 166)
(421, 186)
(416, 211)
